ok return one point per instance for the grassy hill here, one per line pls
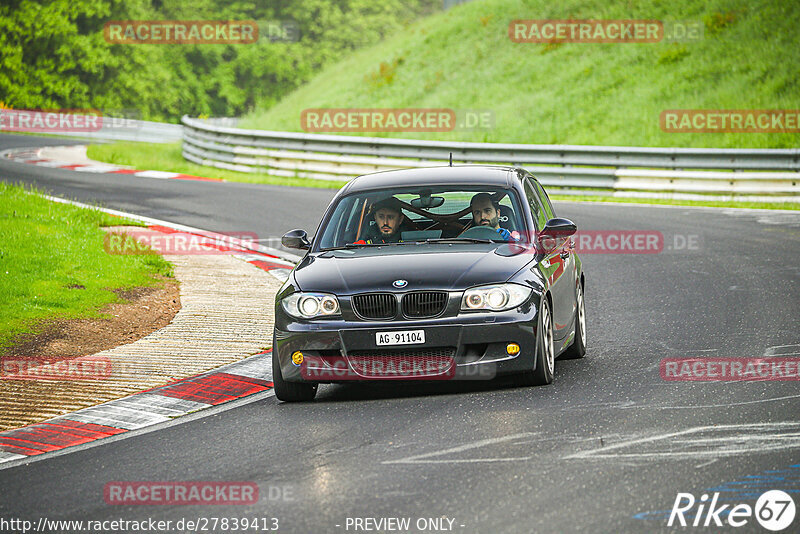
(574, 93)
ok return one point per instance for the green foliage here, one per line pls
(53, 53)
(673, 54)
(716, 22)
(572, 93)
(384, 75)
(550, 46)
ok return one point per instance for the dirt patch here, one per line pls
(141, 311)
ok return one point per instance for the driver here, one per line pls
(388, 217)
(486, 212)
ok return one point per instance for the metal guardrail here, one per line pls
(84, 125)
(218, 143)
(115, 129)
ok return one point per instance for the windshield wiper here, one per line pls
(458, 240)
(348, 246)
(359, 245)
(413, 242)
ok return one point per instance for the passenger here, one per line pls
(486, 212)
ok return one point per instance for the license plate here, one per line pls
(402, 337)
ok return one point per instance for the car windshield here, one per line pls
(424, 215)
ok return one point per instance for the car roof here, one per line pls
(457, 175)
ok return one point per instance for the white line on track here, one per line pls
(723, 440)
(783, 350)
(214, 410)
(723, 405)
(424, 458)
(292, 258)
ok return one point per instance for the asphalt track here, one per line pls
(597, 451)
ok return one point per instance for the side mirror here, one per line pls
(559, 228)
(296, 239)
(554, 233)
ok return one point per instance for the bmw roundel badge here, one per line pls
(400, 283)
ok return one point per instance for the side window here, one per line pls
(354, 218)
(537, 210)
(340, 228)
(548, 207)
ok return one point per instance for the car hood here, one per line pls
(356, 271)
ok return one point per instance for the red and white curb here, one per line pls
(246, 251)
(34, 156)
(226, 384)
(277, 262)
(140, 410)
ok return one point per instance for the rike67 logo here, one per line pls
(774, 510)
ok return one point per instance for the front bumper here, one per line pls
(476, 342)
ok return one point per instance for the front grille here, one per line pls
(375, 306)
(422, 304)
(403, 363)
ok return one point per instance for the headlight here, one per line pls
(310, 305)
(495, 297)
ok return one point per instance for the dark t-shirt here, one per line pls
(376, 240)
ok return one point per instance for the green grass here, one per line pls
(53, 264)
(167, 157)
(575, 93)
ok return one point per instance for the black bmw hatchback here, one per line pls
(439, 273)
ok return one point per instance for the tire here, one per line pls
(545, 354)
(578, 348)
(290, 391)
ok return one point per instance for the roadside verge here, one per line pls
(226, 317)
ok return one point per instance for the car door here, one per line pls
(558, 266)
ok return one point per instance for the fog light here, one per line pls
(512, 349)
(297, 358)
